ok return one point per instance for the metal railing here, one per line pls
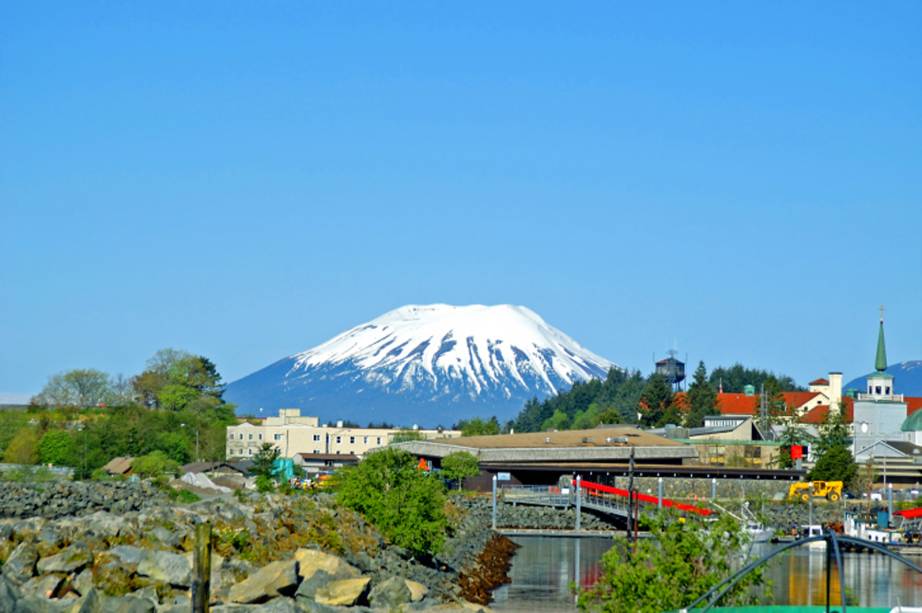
(553, 496)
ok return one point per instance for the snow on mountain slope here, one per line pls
(424, 364)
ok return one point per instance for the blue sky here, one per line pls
(245, 180)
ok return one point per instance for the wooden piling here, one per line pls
(201, 580)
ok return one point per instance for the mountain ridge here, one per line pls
(424, 364)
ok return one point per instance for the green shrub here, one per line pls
(460, 465)
(185, 496)
(155, 464)
(683, 560)
(403, 502)
(264, 484)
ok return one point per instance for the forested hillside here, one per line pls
(628, 397)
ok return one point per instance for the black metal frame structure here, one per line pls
(832, 548)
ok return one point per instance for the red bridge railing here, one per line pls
(589, 486)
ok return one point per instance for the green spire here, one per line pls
(880, 364)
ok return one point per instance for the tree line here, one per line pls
(628, 397)
(83, 418)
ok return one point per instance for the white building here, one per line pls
(879, 412)
(293, 434)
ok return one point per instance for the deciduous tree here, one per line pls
(57, 447)
(84, 387)
(682, 561)
(459, 466)
(403, 502)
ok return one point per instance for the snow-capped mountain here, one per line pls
(425, 365)
(907, 378)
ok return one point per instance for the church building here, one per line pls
(880, 417)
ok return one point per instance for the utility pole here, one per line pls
(630, 493)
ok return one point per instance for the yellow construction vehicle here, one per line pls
(831, 490)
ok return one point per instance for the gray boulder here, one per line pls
(9, 594)
(43, 587)
(128, 554)
(167, 567)
(168, 538)
(127, 604)
(37, 604)
(83, 582)
(20, 566)
(269, 581)
(390, 593)
(69, 560)
(310, 585)
(276, 605)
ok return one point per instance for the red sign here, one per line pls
(797, 452)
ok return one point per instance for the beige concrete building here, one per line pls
(292, 434)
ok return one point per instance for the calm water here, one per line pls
(543, 569)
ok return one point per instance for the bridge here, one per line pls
(604, 499)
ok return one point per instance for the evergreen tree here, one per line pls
(264, 460)
(793, 434)
(702, 399)
(655, 403)
(834, 460)
(734, 378)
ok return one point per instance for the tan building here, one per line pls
(293, 434)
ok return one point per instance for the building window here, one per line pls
(366, 440)
(230, 436)
(250, 451)
(260, 436)
(241, 436)
(278, 437)
(316, 451)
(339, 440)
(316, 438)
(888, 391)
(249, 437)
(379, 440)
(352, 440)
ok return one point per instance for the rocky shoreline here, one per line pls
(124, 546)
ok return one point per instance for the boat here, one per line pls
(862, 527)
(757, 532)
(813, 530)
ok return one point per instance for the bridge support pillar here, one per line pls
(494, 502)
(659, 493)
(579, 499)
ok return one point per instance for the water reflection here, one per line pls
(543, 571)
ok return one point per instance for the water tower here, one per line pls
(673, 370)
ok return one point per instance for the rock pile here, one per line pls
(63, 498)
(269, 554)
